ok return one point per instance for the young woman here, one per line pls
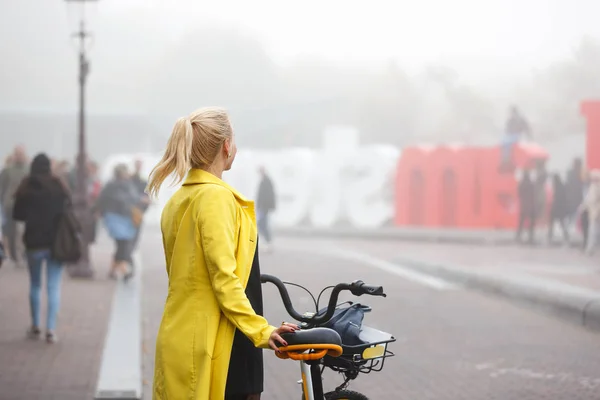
(116, 203)
(206, 347)
(39, 201)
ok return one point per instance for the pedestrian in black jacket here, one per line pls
(527, 206)
(559, 211)
(265, 204)
(2, 255)
(39, 202)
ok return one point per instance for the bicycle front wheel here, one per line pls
(345, 395)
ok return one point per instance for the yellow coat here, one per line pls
(209, 237)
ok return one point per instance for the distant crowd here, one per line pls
(575, 200)
(574, 203)
(16, 168)
(34, 196)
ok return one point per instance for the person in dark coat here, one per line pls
(527, 206)
(265, 204)
(39, 202)
(575, 186)
(584, 216)
(541, 178)
(2, 255)
(559, 211)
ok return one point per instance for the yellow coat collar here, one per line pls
(199, 176)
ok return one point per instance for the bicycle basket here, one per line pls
(368, 356)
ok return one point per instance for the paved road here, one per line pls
(452, 343)
(68, 370)
(567, 265)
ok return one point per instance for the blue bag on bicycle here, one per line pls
(347, 322)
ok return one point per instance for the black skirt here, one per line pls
(246, 375)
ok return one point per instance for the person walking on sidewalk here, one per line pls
(526, 206)
(10, 179)
(116, 204)
(581, 213)
(2, 254)
(265, 204)
(575, 187)
(209, 340)
(5, 217)
(559, 210)
(591, 204)
(39, 201)
(540, 191)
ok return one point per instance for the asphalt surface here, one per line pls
(67, 370)
(452, 343)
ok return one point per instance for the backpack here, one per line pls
(67, 240)
(347, 322)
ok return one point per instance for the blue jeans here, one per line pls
(507, 147)
(53, 280)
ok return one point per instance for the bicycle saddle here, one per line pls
(313, 336)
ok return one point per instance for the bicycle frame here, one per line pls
(312, 380)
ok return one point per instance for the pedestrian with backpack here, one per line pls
(39, 203)
(118, 203)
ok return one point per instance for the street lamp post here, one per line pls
(83, 268)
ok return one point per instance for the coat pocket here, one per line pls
(200, 349)
(201, 382)
(224, 331)
(213, 339)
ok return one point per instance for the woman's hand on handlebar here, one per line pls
(275, 338)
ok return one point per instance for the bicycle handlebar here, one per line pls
(357, 288)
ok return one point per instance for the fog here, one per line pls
(372, 145)
(400, 72)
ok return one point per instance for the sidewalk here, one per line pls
(559, 280)
(418, 234)
(69, 369)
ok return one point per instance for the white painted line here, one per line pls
(120, 375)
(411, 275)
(374, 262)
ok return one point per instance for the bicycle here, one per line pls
(318, 346)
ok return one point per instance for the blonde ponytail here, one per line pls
(175, 159)
(194, 143)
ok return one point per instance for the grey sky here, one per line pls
(481, 39)
(517, 32)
